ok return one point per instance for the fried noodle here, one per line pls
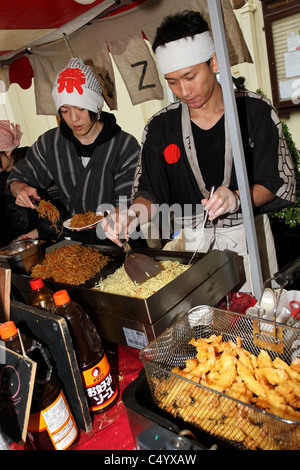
(71, 264)
(46, 210)
(83, 220)
(120, 283)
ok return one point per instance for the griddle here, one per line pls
(135, 322)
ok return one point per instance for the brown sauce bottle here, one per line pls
(51, 425)
(41, 296)
(100, 385)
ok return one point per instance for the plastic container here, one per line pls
(51, 425)
(100, 386)
(41, 296)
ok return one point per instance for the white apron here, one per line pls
(233, 239)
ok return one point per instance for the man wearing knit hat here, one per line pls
(90, 159)
(186, 150)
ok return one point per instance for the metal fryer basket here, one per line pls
(236, 423)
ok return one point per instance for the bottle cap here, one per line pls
(61, 297)
(8, 329)
(36, 283)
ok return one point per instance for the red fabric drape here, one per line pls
(21, 72)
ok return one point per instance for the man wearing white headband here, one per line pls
(89, 157)
(186, 150)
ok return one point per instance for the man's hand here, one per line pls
(222, 201)
(22, 192)
(119, 223)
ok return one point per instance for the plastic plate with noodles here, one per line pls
(69, 224)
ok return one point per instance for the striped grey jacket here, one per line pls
(108, 175)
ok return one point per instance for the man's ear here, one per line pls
(214, 67)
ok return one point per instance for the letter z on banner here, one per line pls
(138, 70)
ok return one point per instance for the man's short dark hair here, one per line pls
(179, 25)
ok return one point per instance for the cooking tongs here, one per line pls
(205, 217)
(35, 201)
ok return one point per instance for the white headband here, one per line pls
(184, 52)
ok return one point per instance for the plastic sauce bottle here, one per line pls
(51, 424)
(41, 296)
(100, 385)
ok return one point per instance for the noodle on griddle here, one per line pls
(71, 264)
(119, 282)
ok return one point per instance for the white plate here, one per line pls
(67, 224)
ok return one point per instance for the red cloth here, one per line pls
(111, 430)
(237, 302)
(21, 72)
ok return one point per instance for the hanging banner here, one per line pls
(138, 70)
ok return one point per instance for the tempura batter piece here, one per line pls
(280, 364)
(272, 376)
(296, 365)
(264, 359)
(249, 379)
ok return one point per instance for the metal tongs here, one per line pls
(35, 201)
(205, 217)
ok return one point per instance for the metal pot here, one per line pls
(22, 255)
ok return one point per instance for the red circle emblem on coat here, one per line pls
(172, 153)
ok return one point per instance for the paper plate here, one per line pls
(67, 224)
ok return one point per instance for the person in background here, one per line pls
(14, 220)
(89, 158)
(186, 150)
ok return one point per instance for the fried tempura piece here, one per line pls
(296, 364)
(249, 379)
(272, 376)
(275, 404)
(280, 364)
(264, 359)
(224, 375)
(239, 391)
(248, 359)
(200, 369)
(201, 342)
(202, 355)
(290, 390)
(190, 364)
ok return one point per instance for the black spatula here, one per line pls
(138, 266)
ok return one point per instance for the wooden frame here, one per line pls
(273, 10)
(5, 282)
